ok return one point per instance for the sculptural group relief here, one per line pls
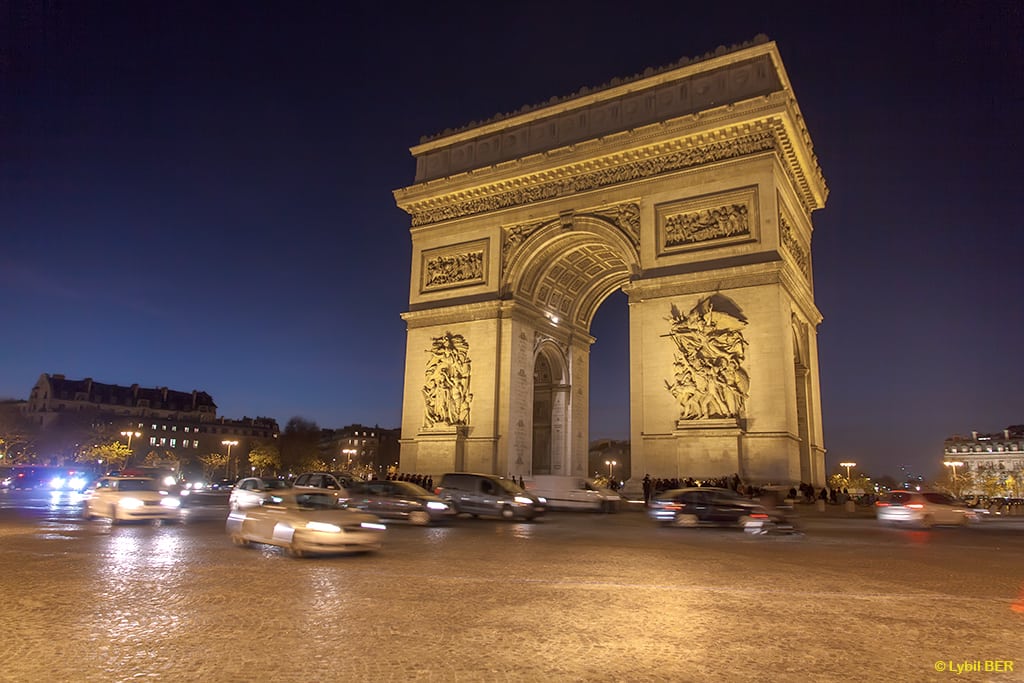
(446, 396)
(792, 244)
(707, 225)
(709, 379)
(707, 221)
(455, 267)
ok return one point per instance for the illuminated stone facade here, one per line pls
(690, 188)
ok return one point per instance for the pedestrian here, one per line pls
(647, 489)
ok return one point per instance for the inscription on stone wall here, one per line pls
(446, 394)
(709, 380)
(456, 266)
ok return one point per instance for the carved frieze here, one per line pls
(446, 397)
(706, 225)
(575, 179)
(709, 380)
(458, 265)
(707, 221)
(793, 246)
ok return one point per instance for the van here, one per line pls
(489, 495)
(574, 493)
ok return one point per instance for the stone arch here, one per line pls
(551, 396)
(567, 267)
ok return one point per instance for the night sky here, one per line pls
(199, 195)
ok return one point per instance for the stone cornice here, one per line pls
(604, 172)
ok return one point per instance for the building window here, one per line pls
(163, 440)
(152, 441)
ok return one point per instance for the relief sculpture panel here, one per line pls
(446, 394)
(458, 266)
(709, 381)
(707, 221)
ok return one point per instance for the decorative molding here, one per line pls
(709, 382)
(458, 265)
(576, 179)
(707, 221)
(446, 396)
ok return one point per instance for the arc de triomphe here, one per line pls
(689, 187)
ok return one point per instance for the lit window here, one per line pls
(174, 443)
(174, 428)
(152, 441)
(163, 440)
(187, 429)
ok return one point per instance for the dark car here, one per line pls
(710, 506)
(398, 500)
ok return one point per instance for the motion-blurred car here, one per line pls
(334, 484)
(489, 494)
(252, 491)
(305, 522)
(223, 485)
(125, 499)
(923, 509)
(574, 493)
(399, 500)
(711, 506)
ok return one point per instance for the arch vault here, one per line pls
(690, 188)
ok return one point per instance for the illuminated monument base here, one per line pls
(691, 189)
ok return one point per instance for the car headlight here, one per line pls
(57, 483)
(373, 525)
(523, 500)
(542, 500)
(323, 526)
(437, 505)
(170, 502)
(131, 503)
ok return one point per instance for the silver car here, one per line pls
(305, 523)
(923, 509)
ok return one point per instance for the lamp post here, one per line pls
(954, 464)
(229, 444)
(611, 464)
(129, 434)
(847, 465)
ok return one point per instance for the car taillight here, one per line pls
(758, 515)
(437, 490)
(671, 506)
(881, 504)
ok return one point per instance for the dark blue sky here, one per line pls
(198, 195)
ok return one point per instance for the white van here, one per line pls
(574, 493)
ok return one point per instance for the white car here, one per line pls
(574, 493)
(923, 509)
(252, 491)
(125, 499)
(305, 522)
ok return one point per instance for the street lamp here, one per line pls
(611, 464)
(847, 465)
(229, 444)
(129, 434)
(954, 464)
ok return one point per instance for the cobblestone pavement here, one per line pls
(572, 598)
